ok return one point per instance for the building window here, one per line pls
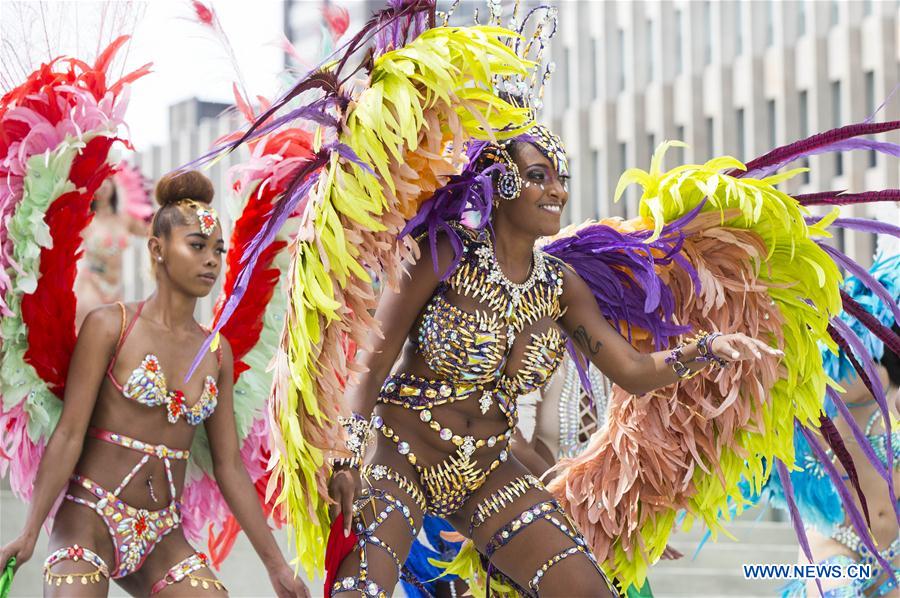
(595, 74)
(739, 28)
(837, 121)
(651, 47)
(651, 143)
(773, 125)
(679, 135)
(870, 111)
(621, 60)
(564, 88)
(801, 17)
(867, 8)
(710, 137)
(835, 12)
(770, 23)
(840, 239)
(804, 128)
(679, 56)
(707, 25)
(741, 134)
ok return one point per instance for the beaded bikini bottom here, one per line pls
(450, 483)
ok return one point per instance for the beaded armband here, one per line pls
(704, 348)
(674, 359)
(359, 435)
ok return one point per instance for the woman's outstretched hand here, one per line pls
(740, 347)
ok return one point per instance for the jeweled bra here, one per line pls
(147, 383)
(466, 347)
(147, 386)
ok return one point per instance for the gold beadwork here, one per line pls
(69, 578)
(204, 582)
(501, 498)
(379, 472)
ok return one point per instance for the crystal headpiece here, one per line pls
(535, 29)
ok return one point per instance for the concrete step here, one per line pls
(730, 557)
(678, 582)
(745, 532)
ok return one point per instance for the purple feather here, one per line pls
(796, 520)
(465, 194)
(280, 213)
(884, 147)
(287, 204)
(883, 104)
(853, 513)
(838, 198)
(885, 334)
(315, 112)
(620, 270)
(867, 279)
(401, 22)
(861, 224)
(848, 353)
(875, 387)
(793, 151)
(581, 366)
(864, 443)
(834, 440)
(468, 194)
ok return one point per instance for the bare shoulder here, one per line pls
(440, 247)
(573, 284)
(103, 323)
(227, 353)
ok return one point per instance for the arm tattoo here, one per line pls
(581, 336)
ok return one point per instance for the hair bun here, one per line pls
(191, 184)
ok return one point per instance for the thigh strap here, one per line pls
(366, 535)
(75, 553)
(185, 569)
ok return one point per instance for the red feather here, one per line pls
(50, 346)
(48, 92)
(204, 13)
(337, 19)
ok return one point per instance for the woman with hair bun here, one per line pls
(121, 447)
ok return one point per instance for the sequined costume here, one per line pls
(57, 130)
(470, 352)
(100, 248)
(134, 532)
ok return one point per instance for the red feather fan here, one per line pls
(50, 347)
